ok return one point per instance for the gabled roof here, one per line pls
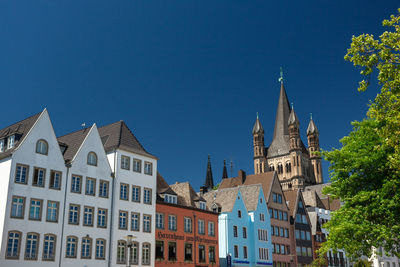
(186, 194)
(292, 200)
(163, 187)
(226, 198)
(312, 199)
(230, 182)
(73, 142)
(20, 128)
(118, 135)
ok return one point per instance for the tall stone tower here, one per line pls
(259, 148)
(295, 165)
(313, 148)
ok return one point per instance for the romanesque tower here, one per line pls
(259, 148)
(313, 148)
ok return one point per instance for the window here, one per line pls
(135, 193)
(121, 251)
(211, 254)
(286, 233)
(298, 251)
(123, 218)
(49, 247)
(235, 251)
(124, 191)
(159, 220)
(172, 251)
(146, 223)
(35, 210)
(188, 252)
(239, 214)
(100, 249)
(262, 235)
(280, 215)
(201, 227)
(301, 204)
(276, 214)
(263, 254)
(135, 217)
(52, 211)
(147, 196)
(202, 253)
(137, 165)
(55, 180)
(285, 216)
(72, 244)
(102, 218)
(38, 177)
(170, 199)
(18, 207)
(262, 217)
(125, 162)
(159, 250)
(92, 159)
(279, 198)
(146, 254)
(308, 235)
(303, 251)
(172, 222)
(202, 205)
(2, 145)
(298, 218)
(134, 253)
(271, 213)
(76, 184)
(42, 147)
(148, 168)
(211, 229)
(90, 186)
(21, 174)
(86, 248)
(304, 219)
(235, 231)
(297, 234)
(13, 244)
(187, 222)
(11, 140)
(245, 252)
(283, 250)
(73, 215)
(281, 231)
(244, 231)
(309, 252)
(103, 189)
(31, 249)
(88, 214)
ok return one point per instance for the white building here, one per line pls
(75, 199)
(380, 259)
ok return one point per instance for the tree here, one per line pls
(365, 172)
(318, 262)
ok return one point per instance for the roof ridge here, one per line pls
(37, 114)
(134, 136)
(74, 132)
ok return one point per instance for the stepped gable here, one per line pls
(72, 142)
(186, 194)
(20, 129)
(118, 135)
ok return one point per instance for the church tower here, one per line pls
(313, 148)
(259, 148)
(295, 151)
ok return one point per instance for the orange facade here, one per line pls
(186, 236)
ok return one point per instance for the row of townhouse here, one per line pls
(75, 199)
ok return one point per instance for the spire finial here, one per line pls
(292, 105)
(310, 116)
(257, 115)
(281, 77)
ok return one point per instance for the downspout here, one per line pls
(194, 232)
(112, 209)
(68, 165)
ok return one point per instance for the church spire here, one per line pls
(209, 184)
(257, 128)
(293, 119)
(224, 171)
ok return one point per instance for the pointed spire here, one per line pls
(312, 128)
(257, 128)
(293, 119)
(209, 177)
(224, 171)
(282, 114)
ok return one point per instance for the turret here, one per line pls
(259, 148)
(209, 183)
(224, 171)
(294, 132)
(313, 148)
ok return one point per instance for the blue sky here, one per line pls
(186, 76)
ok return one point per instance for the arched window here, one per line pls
(121, 251)
(134, 253)
(31, 250)
(86, 248)
(72, 244)
(42, 147)
(146, 254)
(13, 245)
(49, 247)
(92, 159)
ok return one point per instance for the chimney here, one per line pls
(242, 176)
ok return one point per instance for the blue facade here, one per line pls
(245, 234)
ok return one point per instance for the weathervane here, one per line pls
(310, 116)
(257, 114)
(281, 78)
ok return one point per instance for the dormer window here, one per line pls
(202, 205)
(11, 140)
(2, 145)
(239, 214)
(42, 147)
(92, 159)
(170, 199)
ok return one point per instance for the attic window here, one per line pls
(260, 200)
(239, 214)
(92, 159)
(170, 199)
(10, 143)
(202, 205)
(2, 145)
(42, 147)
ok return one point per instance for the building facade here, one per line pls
(244, 225)
(68, 200)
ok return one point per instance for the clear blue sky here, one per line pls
(186, 76)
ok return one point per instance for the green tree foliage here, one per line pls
(365, 172)
(362, 263)
(318, 262)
